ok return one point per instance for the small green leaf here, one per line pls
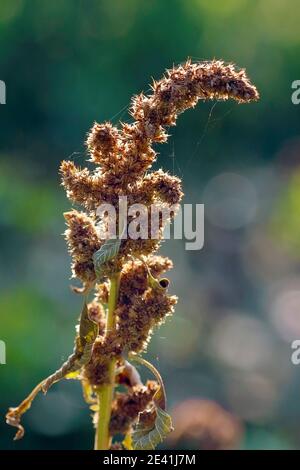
(107, 252)
(145, 439)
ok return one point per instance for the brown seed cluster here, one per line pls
(83, 242)
(122, 157)
(103, 143)
(140, 308)
(137, 320)
(97, 315)
(96, 371)
(127, 406)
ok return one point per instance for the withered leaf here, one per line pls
(143, 438)
(87, 333)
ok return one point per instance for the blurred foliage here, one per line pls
(285, 223)
(68, 63)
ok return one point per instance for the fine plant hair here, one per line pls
(125, 296)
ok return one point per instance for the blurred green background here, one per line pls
(68, 63)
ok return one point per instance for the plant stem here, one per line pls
(106, 392)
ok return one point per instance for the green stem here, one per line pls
(106, 392)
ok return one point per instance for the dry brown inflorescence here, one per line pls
(123, 157)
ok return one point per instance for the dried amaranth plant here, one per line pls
(124, 274)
